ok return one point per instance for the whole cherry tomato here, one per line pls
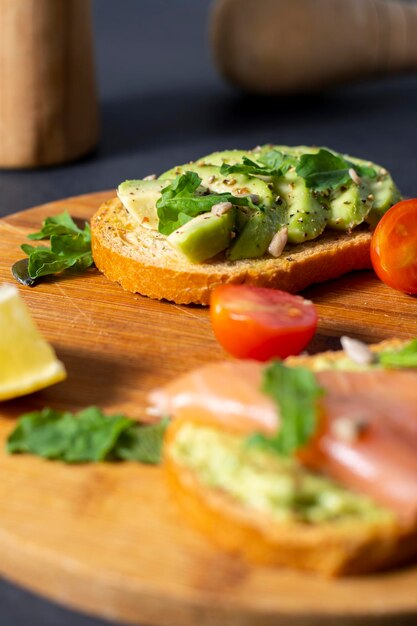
(394, 247)
(259, 323)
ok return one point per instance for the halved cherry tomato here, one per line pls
(394, 247)
(259, 323)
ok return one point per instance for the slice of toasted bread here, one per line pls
(142, 261)
(337, 547)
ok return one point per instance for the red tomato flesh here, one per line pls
(259, 323)
(394, 247)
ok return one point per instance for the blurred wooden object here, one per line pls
(289, 46)
(48, 103)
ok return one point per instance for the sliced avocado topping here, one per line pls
(348, 206)
(306, 216)
(385, 195)
(381, 191)
(306, 189)
(184, 198)
(226, 156)
(239, 185)
(256, 234)
(204, 236)
(140, 198)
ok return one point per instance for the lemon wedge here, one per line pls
(27, 361)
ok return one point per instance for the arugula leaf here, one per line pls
(66, 251)
(61, 224)
(181, 200)
(89, 436)
(406, 357)
(272, 163)
(277, 160)
(325, 170)
(142, 443)
(247, 166)
(295, 391)
(70, 248)
(363, 170)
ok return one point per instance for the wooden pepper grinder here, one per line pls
(48, 100)
(288, 46)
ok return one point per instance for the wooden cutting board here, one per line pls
(107, 539)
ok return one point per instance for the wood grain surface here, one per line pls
(106, 538)
(48, 96)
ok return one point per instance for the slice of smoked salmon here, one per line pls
(228, 393)
(391, 393)
(368, 431)
(369, 438)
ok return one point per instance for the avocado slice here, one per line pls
(204, 236)
(230, 157)
(385, 195)
(348, 206)
(236, 184)
(256, 234)
(383, 190)
(306, 216)
(139, 197)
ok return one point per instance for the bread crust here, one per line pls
(330, 549)
(143, 262)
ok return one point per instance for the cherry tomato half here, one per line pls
(394, 247)
(259, 323)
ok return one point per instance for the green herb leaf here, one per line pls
(61, 224)
(405, 357)
(247, 166)
(295, 391)
(278, 161)
(364, 171)
(70, 247)
(88, 436)
(183, 199)
(272, 163)
(142, 443)
(325, 170)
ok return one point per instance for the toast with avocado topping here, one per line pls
(309, 465)
(274, 216)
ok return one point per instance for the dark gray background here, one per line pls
(161, 104)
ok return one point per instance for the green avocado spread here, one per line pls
(266, 483)
(251, 203)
